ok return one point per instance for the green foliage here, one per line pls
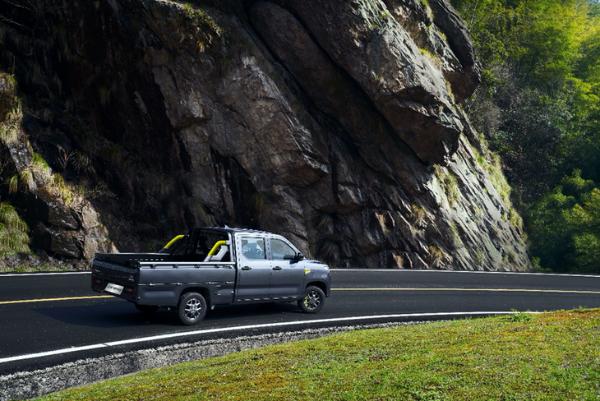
(541, 38)
(565, 226)
(59, 187)
(419, 214)
(494, 170)
(26, 178)
(436, 256)
(449, 183)
(206, 30)
(14, 236)
(515, 218)
(455, 236)
(9, 131)
(540, 99)
(587, 252)
(539, 105)
(39, 167)
(519, 317)
(13, 184)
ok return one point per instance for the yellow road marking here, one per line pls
(433, 289)
(356, 289)
(27, 301)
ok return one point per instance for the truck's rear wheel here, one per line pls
(313, 300)
(192, 308)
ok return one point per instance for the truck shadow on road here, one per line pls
(118, 314)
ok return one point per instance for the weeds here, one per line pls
(519, 317)
(206, 29)
(13, 184)
(14, 236)
(436, 256)
(419, 214)
(449, 183)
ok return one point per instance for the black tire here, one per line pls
(147, 309)
(313, 300)
(192, 308)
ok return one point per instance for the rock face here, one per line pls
(338, 124)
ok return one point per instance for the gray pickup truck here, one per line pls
(214, 266)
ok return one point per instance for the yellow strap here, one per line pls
(216, 246)
(173, 240)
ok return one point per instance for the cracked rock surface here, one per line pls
(337, 124)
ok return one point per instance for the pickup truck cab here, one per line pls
(211, 267)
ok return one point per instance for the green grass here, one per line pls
(449, 183)
(553, 356)
(10, 109)
(14, 233)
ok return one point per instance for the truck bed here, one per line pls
(153, 279)
(131, 259)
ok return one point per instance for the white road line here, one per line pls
(42, 274)
(247, 327)
(458, 289)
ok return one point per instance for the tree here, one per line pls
(565, 226)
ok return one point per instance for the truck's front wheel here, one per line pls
(313, 301)
(192, 308)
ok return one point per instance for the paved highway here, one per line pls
(53, 318)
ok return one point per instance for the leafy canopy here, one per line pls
(539, 106)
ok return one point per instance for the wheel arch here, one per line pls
(318, 284)
(204, 291)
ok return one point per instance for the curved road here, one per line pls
(53, 318)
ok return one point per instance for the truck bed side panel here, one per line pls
(164, 283)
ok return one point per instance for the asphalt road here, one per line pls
(47, 313)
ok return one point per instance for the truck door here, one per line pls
(287, 278)
(254, 269)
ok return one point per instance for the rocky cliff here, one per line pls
(336, 123)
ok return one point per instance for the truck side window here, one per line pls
(280, 250)
(253, 248)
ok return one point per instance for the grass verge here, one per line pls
(553, 356)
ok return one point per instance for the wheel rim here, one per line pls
(312, 300)
(193, 308)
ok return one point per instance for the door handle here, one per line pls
(246, 268)
(277, 268)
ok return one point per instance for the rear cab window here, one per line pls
(253, 248)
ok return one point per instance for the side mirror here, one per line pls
(294, 258)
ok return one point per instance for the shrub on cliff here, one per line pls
(14, 236)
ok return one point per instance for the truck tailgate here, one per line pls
(105, 273)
